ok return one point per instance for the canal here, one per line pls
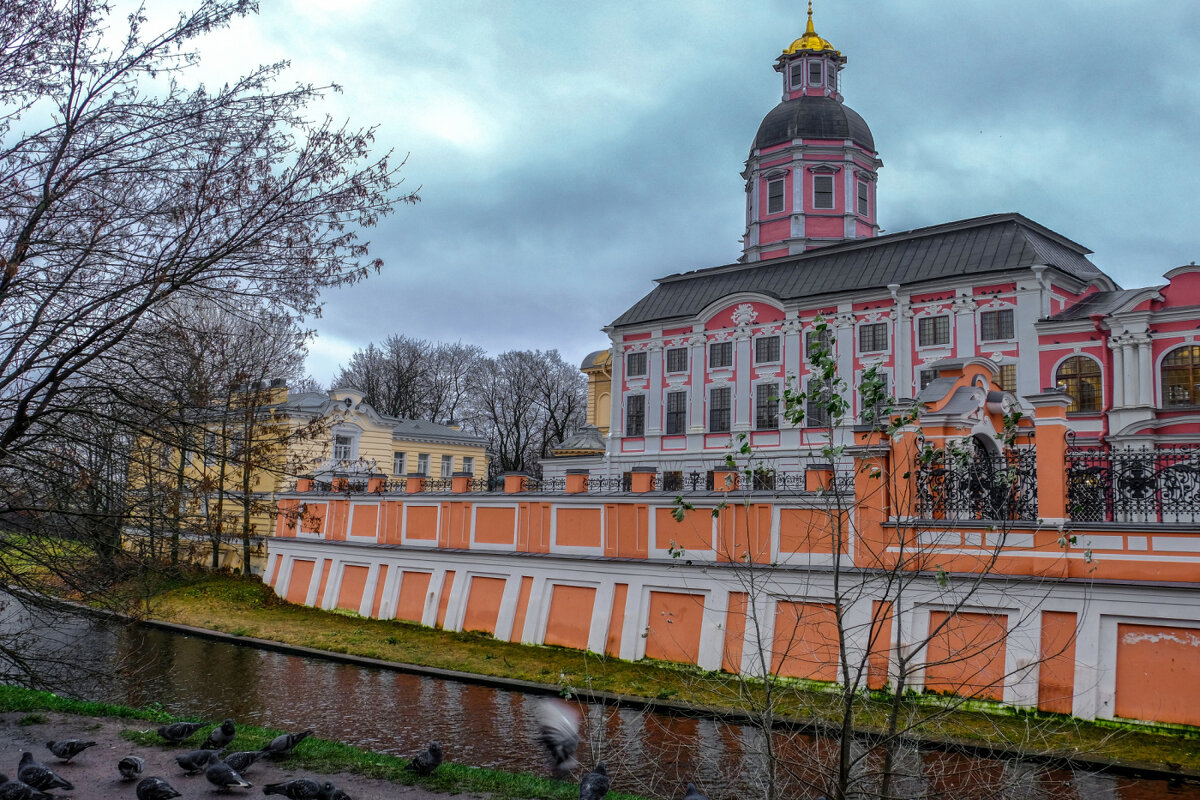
(391, 712)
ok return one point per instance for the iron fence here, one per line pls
(977, 485)
(1144, 484)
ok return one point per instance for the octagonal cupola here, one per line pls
(811, 174)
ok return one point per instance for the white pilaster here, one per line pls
(616, 416)
(697, 360)
(654, 392)
(1118, 372)
(742, 361)
(368, 598)
(1145, 372)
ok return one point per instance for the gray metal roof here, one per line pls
(992, 243)
(813, 118)
(1098, 303)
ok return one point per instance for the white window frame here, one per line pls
(423, 464)
(995, 310)
(829, 332)
(778, 402)
(797, 66)
(778, 339)
(887, 335)
(817, 176)
(469, 464)
(863, 198)
(820, 70)
(667, 360)
(724, 345)
(667, 413)
(353, 432)
(711, 408)
(447, 466)
(949, 331)
(782, 195)
(399, 463)
(645, 364)
(889, 389)
(645, 411)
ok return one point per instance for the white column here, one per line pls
(902, 382)
(712, 630)
(843, 325)
(616, 414)
(697, 360)
(1118, 371)
(964, 326)
(742, 361)
(654, 391)
(1145, 372)
(368, 598)
(314, 583)
(793, 346)
(601, 616)
(535, 612)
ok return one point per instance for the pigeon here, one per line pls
(18, 790)
(558, 731)
(39, 776)
(155, 789)
(426, 761)
(223, 776)
(594, 784)
(130, 767)
(69, 748)
(330, 792)
(220, 736)
(176, 732)
(693, 793)
(298, 789)
(284, 745)
(194, 761)
(241, 761)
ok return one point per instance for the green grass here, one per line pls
(314, 755)
(246, 607)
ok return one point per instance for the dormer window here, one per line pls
(822, 191)
(775, 196)
(814, 73)
(796, 75)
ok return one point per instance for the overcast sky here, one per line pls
(568, 153)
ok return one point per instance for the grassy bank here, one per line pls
(314, 755)
(246, 607)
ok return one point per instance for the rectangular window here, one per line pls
(863, 204)
(874, 410)
(818, 339)
(1008, 377)
(342, 444)
(927, 376)
(635, 365)
(720, 354)
(816, 407)
(718, 410)
(677, 359)
(211, 448)
(469, 464)
(423, 464)
(995, 325)
(814, 73)
(398, 464)
(775, 196)
(635, 415)
(676, 412)
(797, 74)
(873, 338)
(766, 406)
(766, 349)
(822, 191)
(933, 330)
(447, 466)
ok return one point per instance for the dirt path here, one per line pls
(94, 772)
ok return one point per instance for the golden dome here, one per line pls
(809, 41)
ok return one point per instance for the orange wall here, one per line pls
(422, 523)
(325, 570)
(616, 621)
(570, 618)
(365, 520)
(1056, 668)
(880, 644)
(483, 604)
(803, 530)
(444, 600)
(673, 630)
(518, 627)
(806, 644)
(695, 532)
(354, 581)
(1158, 673)
(578, 527)
(735, 632)
(297, 590)
(495, 525)
(966, 655)
(379, 583)
(410, 603)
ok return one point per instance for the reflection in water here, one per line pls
(397, 713)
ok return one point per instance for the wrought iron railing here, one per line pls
(1146, 484)
(977, 485)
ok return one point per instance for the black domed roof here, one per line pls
(813, 118)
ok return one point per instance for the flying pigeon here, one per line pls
(284, 745)
(194, 761)
(693, 793)
(176, 732)
(222, 775)
(558, 731)
(39, 776)
(298, 789)
(69, 748)
(594, 784)
(130, 767)
(426, 761)
(241, 761)
(19, 790)
(155, 789)
(220, 736)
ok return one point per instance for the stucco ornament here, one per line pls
(744, 315)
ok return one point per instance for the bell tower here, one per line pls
(812, 171)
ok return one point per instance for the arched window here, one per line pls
(1079, 376)
(1181, 377)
